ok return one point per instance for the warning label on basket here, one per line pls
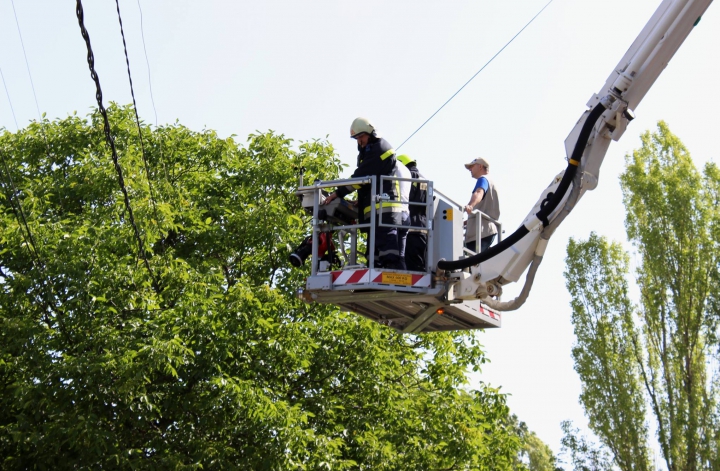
(397, 278)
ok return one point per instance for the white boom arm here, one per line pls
(623, 90)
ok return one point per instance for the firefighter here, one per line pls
(416, 245)
(401, 171)
(376, 157)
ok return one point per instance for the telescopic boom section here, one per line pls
(608, 115)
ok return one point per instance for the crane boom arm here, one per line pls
(610, 111)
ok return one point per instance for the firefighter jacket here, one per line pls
(376, 158)
(418, 194)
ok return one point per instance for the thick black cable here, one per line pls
(110, 140)
(46, 288)
(476, 73)
(547, 209)
(137, 118)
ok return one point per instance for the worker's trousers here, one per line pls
(387, 244)
(415, 251)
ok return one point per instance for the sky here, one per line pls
(307, 69)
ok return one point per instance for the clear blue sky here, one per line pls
(307, 69)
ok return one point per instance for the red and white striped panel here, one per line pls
(488, 312)
(348, 277)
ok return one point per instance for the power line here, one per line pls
(20, 213)
(32, 85)
(30, 243)
(27, 64)
(12, 110)
(142, 35)
(137, 118)
(48, 294)
(476, 73)
(152, 96)
(110, 140)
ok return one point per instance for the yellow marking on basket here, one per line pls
(397, 278)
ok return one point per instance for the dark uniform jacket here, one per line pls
(376, 158)
(418, 194)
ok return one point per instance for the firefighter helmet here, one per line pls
(360, 126)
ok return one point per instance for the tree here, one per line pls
(662, 355)
(173, 339)
(534, 453)
(604, 354)
(584, 455)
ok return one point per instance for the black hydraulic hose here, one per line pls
(546, 209)
(573, 163)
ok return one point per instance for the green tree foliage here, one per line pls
(203, 358)
(534, 454)
(583, 454)
(604, 356)
(662, 355)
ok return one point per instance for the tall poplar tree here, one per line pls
(659, 358)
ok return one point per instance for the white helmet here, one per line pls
(362, 125)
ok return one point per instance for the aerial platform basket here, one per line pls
(377, 295)
(408, 301)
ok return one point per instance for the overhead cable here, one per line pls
(152, 96)
(19, 212)
(137, 118)
(48, 295)
(32, 85)
(111, 141)
(476, 73)
(142, 35)
(27, 64)
(14, 199)
(12, 110)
